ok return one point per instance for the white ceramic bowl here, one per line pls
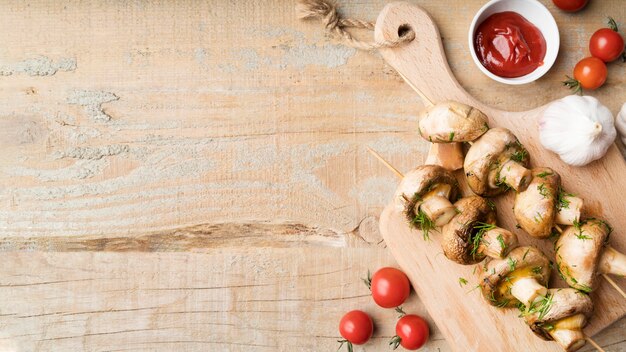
(534, 12)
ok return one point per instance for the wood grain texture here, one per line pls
(183, 126)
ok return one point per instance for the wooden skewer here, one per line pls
(614, 284)
(606, 277)
(389, 166)
(594, 344)
(419, 92)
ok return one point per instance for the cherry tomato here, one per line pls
(356, 327)
(390, 287)
(570, 5)
(606, 44)
(589, 73)
(411, 332)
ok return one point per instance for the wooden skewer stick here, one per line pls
(389, 166)
(594, 344)
(606, 277)
(419, 92)
(614, 284)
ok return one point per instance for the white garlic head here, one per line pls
(620, 123)
(578, 128)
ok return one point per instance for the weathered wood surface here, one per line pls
(182, 127)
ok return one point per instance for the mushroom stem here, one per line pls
(438, 209)
(515, 175)
(570, 214)
(568, 332)
(612, 262)
(496, 243)
(447, 155)
(527, 290)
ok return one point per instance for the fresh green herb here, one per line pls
(512, 263)
(561, 201)
(544, 174)
(502, 244)
(544, 306)
(462, 282)
(501, 182)
(538, 218)
(537, 270)
(580, 235)
(491, 204)
(477, 237)
(424, 223)
(473, 288)
(547, 326)
(521, 154)
(368, 281)
(584, 288)
(485, 127)
(451, 138)
(545, 193)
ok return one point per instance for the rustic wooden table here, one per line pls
(193, 175)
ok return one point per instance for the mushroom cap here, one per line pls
(565, 302)
(578, 251)
(417, 182)
(535, 208)
(487, 154)
(458, 235)
(451, 121)
(524, 261)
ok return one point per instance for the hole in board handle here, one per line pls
(404, 29)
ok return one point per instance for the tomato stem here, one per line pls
(574, 85)
(395, 342)
(368, 281)
(612, 24)
(399, 310)
(348, 343)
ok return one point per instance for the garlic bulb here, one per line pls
(620, 123)
(578, 128)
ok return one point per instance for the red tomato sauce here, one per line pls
(508, 45)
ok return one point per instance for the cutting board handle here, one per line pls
(433, 75)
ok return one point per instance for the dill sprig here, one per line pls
(477, 237)
(580, 235)
(503, 245)
(561, 201)
(424, 223)
(544, 174)
(512, 263)
(451, 138)
(462, 281)
(545, 193)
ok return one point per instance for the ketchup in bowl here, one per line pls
(508, 45)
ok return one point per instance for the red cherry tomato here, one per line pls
(589, 73)
(356, 327)
(390, 287)
(606, 44)
(411, 332)
(570, 5)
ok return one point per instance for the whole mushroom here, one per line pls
(582, 253)
(496, 162)
(544, 204)
(446, 124)
(424, 195)
(561, 316)
(521, 277)
(472, 234)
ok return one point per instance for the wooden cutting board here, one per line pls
(469, 323)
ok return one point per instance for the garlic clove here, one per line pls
(578, 128)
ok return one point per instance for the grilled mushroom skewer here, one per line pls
(582, 254)
(522, 277)
(561, 317)
(446, 125)
(496, 162)
(470, 234)
(544, 204)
